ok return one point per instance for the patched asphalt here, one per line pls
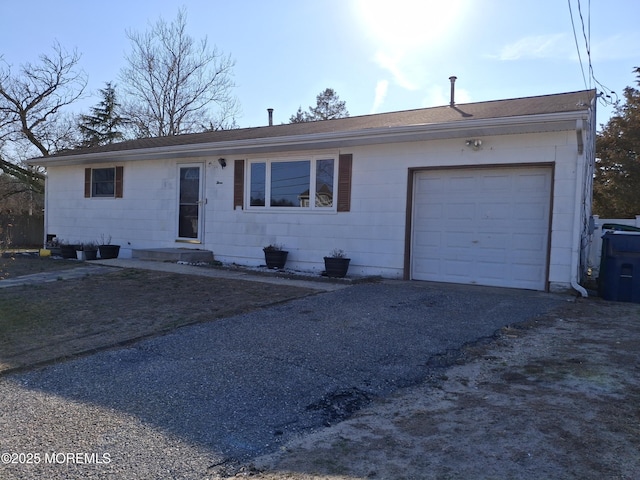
(230, 390)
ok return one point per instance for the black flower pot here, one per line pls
(275, 259)
(91, 254)
(68, 251)
(336, 267)
(109, 251)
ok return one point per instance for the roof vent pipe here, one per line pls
(452, 79)
(270, 111)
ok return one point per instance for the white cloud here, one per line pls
(557, 45)
(382, 87)
(621, 46)
(393, 64)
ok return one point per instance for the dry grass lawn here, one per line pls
(46, 322)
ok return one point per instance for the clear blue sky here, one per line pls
(378, 55)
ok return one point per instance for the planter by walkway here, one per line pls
(275, 259)
(336, 267)
(109, 251)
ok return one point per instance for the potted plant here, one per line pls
(68, 250)
(336, 264)
(90, 250)
(275, 256)
(53, 245)
(107, 250)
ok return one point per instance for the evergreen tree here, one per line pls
(328, 106)
(299, 117)
(103, 126)
(616, 188)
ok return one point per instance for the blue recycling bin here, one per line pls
(619, 278)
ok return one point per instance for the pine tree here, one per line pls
(299, 117)
(328, 106)
(104, 124)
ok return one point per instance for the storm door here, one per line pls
(190, 203)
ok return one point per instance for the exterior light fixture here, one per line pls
(222, 162)
(475, 144)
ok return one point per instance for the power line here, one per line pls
(606, 95)
(575, 36)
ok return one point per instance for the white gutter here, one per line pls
(577, 227)
(456, 129)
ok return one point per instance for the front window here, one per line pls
(290, 184)
(258, 184)
(280, 183)
(103, 182)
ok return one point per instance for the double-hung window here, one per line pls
(103, 182)
(307, 183)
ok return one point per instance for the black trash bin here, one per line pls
(619, 278)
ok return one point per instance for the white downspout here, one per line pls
(46, 210)
(577, 229)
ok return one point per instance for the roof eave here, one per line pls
(564, 121)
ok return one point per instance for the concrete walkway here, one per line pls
(54, 276)
(104, 266)
(268, 276)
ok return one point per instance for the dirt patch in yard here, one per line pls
(40, 323)
(16, 264)
(557, 397)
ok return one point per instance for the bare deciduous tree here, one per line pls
(171, 82)
(31, 101)
(31, 118)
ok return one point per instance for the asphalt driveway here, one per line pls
(204, 397)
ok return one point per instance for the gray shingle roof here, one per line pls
(539, 105)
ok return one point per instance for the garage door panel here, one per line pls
(532, 182)
(425, 240)
(494, 211)
(460, 183)
(455, 270)
(493, 240)
(531, 211)
(459, 239)
(531, 242)
(459, 211)
(433, 210)
(482, 226)
(496, 183)
(490, 271)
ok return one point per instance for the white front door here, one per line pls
(190, 202)
(486, 226)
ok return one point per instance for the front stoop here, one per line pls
(173, 255)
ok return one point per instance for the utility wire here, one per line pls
(575, 36)
(606, 95)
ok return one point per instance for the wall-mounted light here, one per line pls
(475, 144)
(222, 162)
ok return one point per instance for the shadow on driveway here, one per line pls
(242, 386)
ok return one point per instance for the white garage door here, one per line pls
(486, 226)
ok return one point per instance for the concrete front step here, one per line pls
(173, 255)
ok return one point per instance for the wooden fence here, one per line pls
(21, 231)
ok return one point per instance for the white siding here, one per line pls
(372, 233)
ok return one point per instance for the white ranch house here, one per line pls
(492, 193)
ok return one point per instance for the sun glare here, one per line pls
(408, 24)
